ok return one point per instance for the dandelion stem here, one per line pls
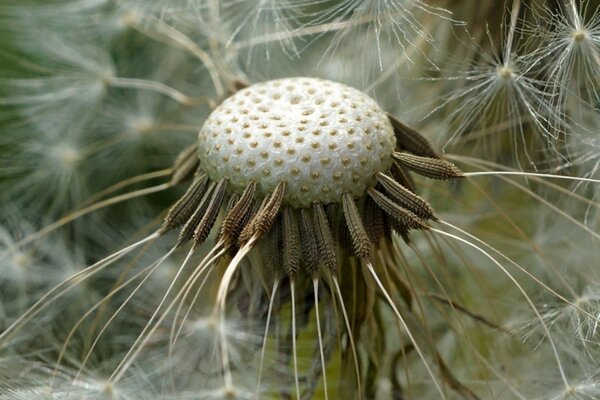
(170, 35)
(520, 288)
(350, 336)
(135, 348)
(49, 298)
(134, 83)
(155, 266)
(84, 211)
(404, 325)
(514, 15)
(265, 337)
(320, 335)
(129, 181)
(539, 175)
(214, 254)
(294, 344)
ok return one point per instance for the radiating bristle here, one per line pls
(186, 163)
(434, 168)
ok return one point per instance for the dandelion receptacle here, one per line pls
(310, 199)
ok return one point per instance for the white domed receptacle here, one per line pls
(322, 138)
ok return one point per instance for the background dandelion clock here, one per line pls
(296, 200)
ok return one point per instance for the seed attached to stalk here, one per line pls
(291, 162)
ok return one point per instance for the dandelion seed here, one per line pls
(570, 54)
(502, 101)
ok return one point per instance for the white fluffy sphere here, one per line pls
(321, 137)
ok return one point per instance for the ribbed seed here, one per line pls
(324, 238)
(360, 240)
(331, 213)
(405, 197)
(411, 140)
(233, 199)
(187, 232)
(434, 168)
(376, 226)
(402, 176)
(289, 243)
(247, 227)
(264, 218)
(272, 247)
(401, 215)
(237, 216)
(182, 210)
(400, 229)
(210, 215)
(343, 238)
(186, 163)
(308, 242)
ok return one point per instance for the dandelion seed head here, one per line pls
(67, 157)
(141, 125)
(128, 18)
(322, 138)
(204, 323)
(15, 269)
(505, 72)
(579, 35)
(98, 90)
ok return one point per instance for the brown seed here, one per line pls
(324, 238)
(308, 242)
(411, 140)
(185, 206)
(405, 197)
(404, 217)
(434, 168)
(360, 240)
(235, 217)
(289, 243)
(210, 215)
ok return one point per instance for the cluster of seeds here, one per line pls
(279, 153)
(322, 138)
(302, 165)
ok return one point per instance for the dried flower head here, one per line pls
(302, 258)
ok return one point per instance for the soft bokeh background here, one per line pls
(96, 91)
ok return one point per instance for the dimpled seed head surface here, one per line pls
(321, 137)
